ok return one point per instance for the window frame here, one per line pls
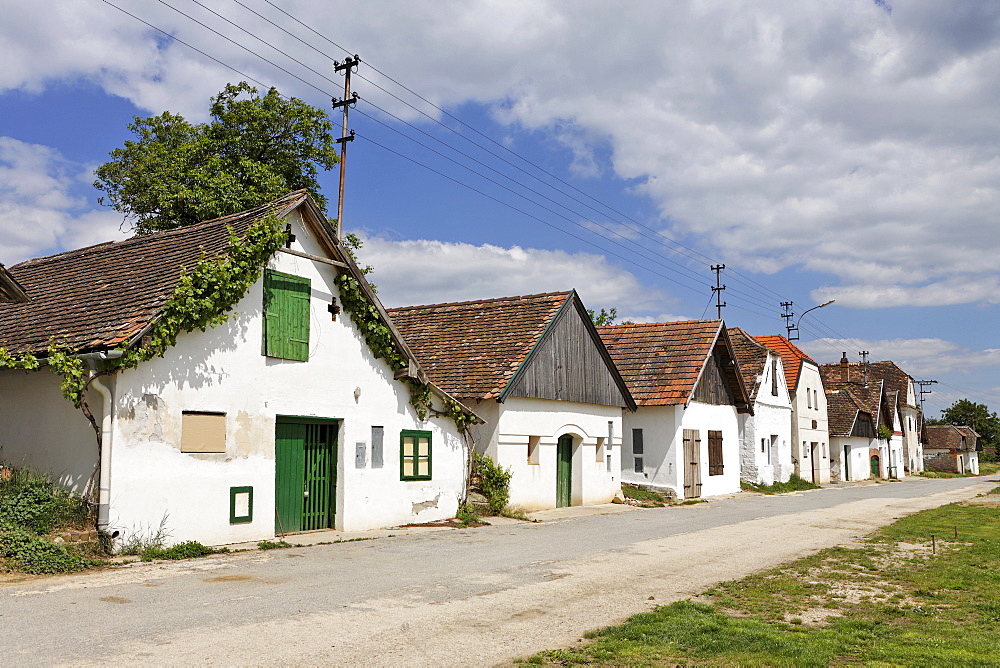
(415, 457)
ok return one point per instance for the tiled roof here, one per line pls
(95, 298)
(869, 397)
(842, 410)
(751, 357)
(10, 289)
(949, 436)
(661, 361)
(471, 350)
(896, 380)
(791, 357)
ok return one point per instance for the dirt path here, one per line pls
(504, 623)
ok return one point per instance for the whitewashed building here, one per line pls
(766, 433)
(811, 450)
(537, 373)
(685, 434)
(280, 419)
(908, 421)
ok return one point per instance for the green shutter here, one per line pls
(286, 316)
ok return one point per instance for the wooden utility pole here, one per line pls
(719, 287)
(348, 100)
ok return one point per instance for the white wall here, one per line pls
(41, 430)
(859, 462)
(806, 411)
(513, 424)
(663, 434)
(223, 370)
(772, 417)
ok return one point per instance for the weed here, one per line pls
(516, 513)
(140, 541)
(466, 517)
(273, 545)
(494, 482)
(186, 550)
(795, 484)
(32, 502)
(691, 502)
(26, 552)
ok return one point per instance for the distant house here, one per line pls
(852, 432)
(810, 433)
(953, 448)
(903, 397)
(766, 433)
(685, 434)
(10, 290)
(868, 393)
(536, 371)
(280, 419)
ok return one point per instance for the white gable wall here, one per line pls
(766, 436)
(808, 409)
(660, 461)
(223, 370)
(512, 425)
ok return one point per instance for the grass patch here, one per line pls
(274, 545)
(645, 498)
(888, 601)
(795, 484)
(186, 550)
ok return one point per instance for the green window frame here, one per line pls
(415, 455)
(286, 316)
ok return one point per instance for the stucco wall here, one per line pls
(804, 412)
(660, 460)
(764, 464)
(41, 430)
(510, 428)
(859, 464)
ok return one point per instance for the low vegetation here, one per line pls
(645, 498)
(923, 591)
(32, 508)
(795, 484)
(985, 468)
(492, 481)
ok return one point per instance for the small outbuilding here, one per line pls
(954, 448)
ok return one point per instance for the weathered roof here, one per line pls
(791, 357)
(869, 397)
(662, 361)
(842, 410)
(949, 437)
(10, 289)
(97, 297)
(473, 349)
(896, 380)
(751, 357)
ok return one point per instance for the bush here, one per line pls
(494, 482)
(27, 552)
(33, 503)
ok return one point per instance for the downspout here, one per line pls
(104, 495)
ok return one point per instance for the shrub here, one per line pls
(27, 552)
(186, 550)
(32, 502)
(494, 482)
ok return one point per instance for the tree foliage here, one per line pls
(255, 149)
(606, 317)
(978, 416)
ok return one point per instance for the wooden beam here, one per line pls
(314, 258)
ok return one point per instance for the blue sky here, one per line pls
(821, 151)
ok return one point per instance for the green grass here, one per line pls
(888, 602)
(187, 550)
(794, 484)
(645, 497)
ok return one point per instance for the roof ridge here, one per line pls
(564, 294)
(653, 324)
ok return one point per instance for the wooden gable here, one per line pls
(720, 383)
(570, 363)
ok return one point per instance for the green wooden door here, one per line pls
(875, 466)
(564, 471)
(305, 474)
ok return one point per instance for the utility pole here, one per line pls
(864, 365)
(788, 315)
(347, 102)
(717, 268)
(922, 384)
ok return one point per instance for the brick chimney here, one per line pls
(845, 368)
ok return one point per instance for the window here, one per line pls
(377, 435)
(600, 450)
(715, 466)
(637, 450)
(203, 432)
(286, 316)
(815, 400)
(774, 378)
(763, 444)
(533, 449)
(414, 455)
(809, 398)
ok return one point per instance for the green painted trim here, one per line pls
(415, 433)
(524, 363)
(242, 519)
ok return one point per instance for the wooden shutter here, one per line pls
(715, 466)
(286, 316)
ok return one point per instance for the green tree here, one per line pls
(606, 317)
(978, 416)
(254, 149)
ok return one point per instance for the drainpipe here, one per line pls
(104, 497)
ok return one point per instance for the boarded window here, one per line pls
(715, 466)
(774, 378)
(203, 432)
(415, 455)
(637, 446)
(533, 449)
(638, 465)
(377, 434)
(286, 316)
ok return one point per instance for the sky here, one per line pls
(821, 151)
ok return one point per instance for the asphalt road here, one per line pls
(462, 597)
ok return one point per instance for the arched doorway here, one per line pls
(564, 471)
(875, 466)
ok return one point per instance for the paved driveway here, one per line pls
(461, 597)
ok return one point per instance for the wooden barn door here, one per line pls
(564, 471)
(692, 464)
(305, 474)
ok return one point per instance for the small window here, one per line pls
(763, 444)
(533, 449)
(715, 464)
(203, 432)
(809, 398)
(774, 378)
(815, 400)
(414, 455)
(638, 464)
(637, 445)
(600, 450)
(286, 316)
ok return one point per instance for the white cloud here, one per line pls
(918, 357)
(838, 137)
(423, 272)
(39, 212)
